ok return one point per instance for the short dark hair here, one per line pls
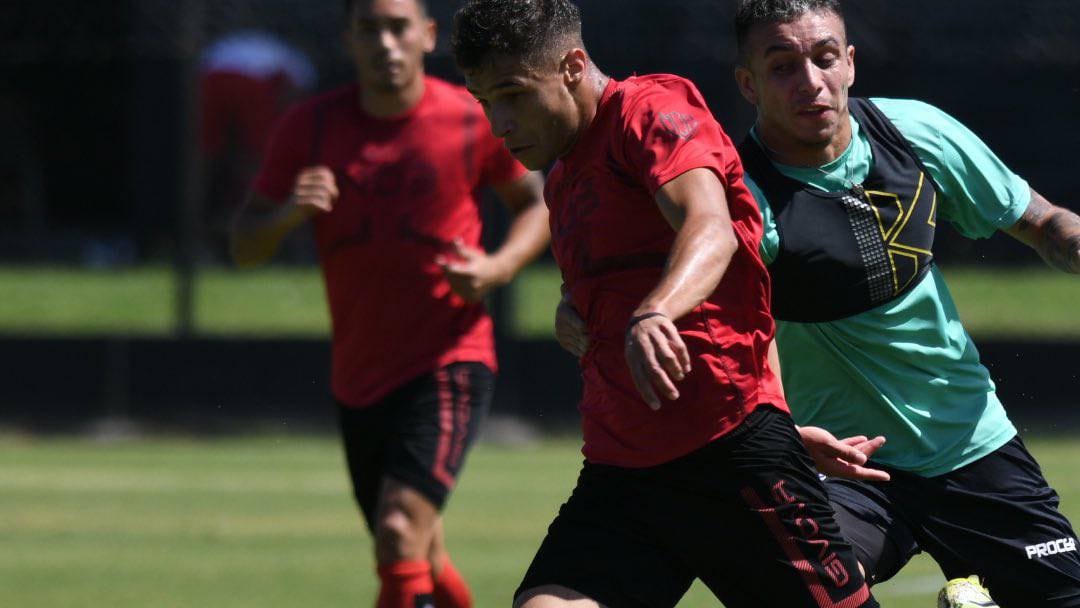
(526, 29)
(756, 12)
(349, 4)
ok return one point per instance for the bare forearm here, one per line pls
(1061, 246)
(1052, 231)
(257, 233)
(698, 260)
(526, 238)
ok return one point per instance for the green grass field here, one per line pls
(268, 522)
(281, 301)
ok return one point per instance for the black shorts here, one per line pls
(996, 517)
(746, 514)
(419, 434)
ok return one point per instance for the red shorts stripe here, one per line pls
(464, 411)
(797, 559)
(446, 430)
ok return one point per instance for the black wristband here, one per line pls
(638, 319)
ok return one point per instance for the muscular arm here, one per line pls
(475, 273)
(1052, 231)
(695, 205)
(259, 227)
(261, 223)
(529, 233)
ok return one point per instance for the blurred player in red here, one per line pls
(389, 172)
(247, 80)
(693, 468)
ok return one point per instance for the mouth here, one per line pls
(388, 67)
(816, 110)
(515, 150)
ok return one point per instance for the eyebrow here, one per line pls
(784, 47)
(507, 83)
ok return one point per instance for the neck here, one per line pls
(588, 103)
(790, 151)
(386, 104)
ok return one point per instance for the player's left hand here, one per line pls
(473, 273)
(842, 457)
(657, 357)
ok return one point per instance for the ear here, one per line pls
(745, 79)
(431, 34)
(851, 62)
(574, 65)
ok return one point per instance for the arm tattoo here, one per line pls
(1062, 240)
(1032, 217)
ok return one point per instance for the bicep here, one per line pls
(695, 193)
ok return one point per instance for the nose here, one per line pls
(502, 122)
(810, 78)
(386, 39)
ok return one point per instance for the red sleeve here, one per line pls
(498, 165)
(669, 130)
(287, 153)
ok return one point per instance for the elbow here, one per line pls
(727, 246)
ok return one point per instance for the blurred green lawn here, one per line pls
(268, 522)
(1031, 302)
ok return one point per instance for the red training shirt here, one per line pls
(611, 243)
(409, 186)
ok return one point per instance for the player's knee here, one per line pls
(397, 537)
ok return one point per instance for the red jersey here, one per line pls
(409, 186)
(611, 243)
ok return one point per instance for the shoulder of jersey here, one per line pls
(341, 95)
(659, 84)
(453, 94)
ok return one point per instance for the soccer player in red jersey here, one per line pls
(693, 468)
(388, 172)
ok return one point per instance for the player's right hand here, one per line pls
(657, 357)
(570, 329)
(315, 190)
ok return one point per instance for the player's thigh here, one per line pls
(364, 432)
(998, 518)
(772, 539)
(605, 546)
(882, 540)
(438, 420)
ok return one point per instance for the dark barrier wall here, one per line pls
(235, 385)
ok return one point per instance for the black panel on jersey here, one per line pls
(846, 252)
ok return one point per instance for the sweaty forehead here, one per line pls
(498, 71)
(803, 34)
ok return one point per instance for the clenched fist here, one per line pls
(315, 190)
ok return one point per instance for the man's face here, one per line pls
(530, 109)
(388, 40)
(798, 75)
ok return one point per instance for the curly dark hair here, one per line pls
(756, 12)
(527, 29)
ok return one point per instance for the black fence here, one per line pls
(240, 385)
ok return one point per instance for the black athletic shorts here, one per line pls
(996, 517)
(747, 514)
(419, 434)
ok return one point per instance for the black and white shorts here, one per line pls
(996, 517)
